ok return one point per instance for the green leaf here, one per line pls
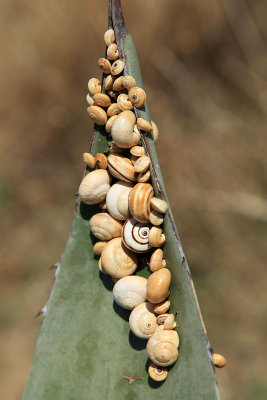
(85, 345)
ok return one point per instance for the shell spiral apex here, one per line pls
(135, 236)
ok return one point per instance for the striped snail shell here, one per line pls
(121, 167)
(162, 347)
(135, 236)
(142, 320)
(130, 291)
(139, 201)
(117, 260)
(117, 200)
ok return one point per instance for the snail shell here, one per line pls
(143, 177)
(109, 37)
(94, 186)
(162, 307)
(118, 200)
(144, 125)
(155, 131)
(169, 322)
(117, 260)
(104, 65)
(137, 151)
(130, 291)
(94, 86)
(128, 82)
(123, 102)
(99, 247)
(158, 285)
(139, 201)
(155, 218)
(218, 360)
(159, 205)
(89, 99)
(122, 131)
(142, 164)
(157, 261)
(98, 115)
(102, 100)
(113, 109)
(117, 67)
(108, 82)
(137, 96)
(105, 227)
(89, 160)
(135, 236)
(121, 167)
(157, 373)
(101, 160)
(110, 123)
(117, 85)
(156, 238)
(103, 205)
(112, 52)
(162, 347)
(143, 321)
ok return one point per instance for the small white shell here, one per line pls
(104, 226)
(130, 291)
(122, 130)
(162, 347)
(94, 186)
(135, 236)
(142, 320)
(118, 200)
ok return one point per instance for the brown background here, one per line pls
(204, 69)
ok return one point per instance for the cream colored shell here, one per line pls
(104, 65)
(121, 167)
(128, 82)
(109, 37)
(158, 285)
(159, 205)
(117, 260)
(157, 261)
(130, 291)
(112, 51)
(162, 347)
(104, 226)
(142, 320)
(99, 246)
(123, 102)
(117, 67)
(137, 96)
(98, 115)
(142, 164)
(162, 307)
(122, 130)
(155, 131)
(94, 186)
(135, 236)
(110, 123)
(94, 86)
(156, 237)
(118, 200)
(157, 373)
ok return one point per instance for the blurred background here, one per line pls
(204, 68)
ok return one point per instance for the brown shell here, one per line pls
(117, 67)
(128, 82)
(101, 160)
(121, 167)
(98, 115)
(139, 201)
(158, 285)
(112, 52)
(104, 65)
(137, 96)
(157, 373)
(94, 86)
(218, 360)
(102, 100)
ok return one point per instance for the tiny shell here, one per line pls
(156, 238)
(162, 347)
(130, 291)
(121, 167)
(104, 226)
(157, 261)
(89, 99)
(109, 37)
(117, 200)
(218, 360)
(101, 160)
(162, 318)
(110, 123)
(114, 109)
(94, 186)
(104, 65)
(155, 131)
(122, 131)
(117, 67)
(89, 160)
(98, 115)
(142, 320)
(135, 236)
(144, 125)
(159, 205)
(102, 100)
(155, 218)
(157, 373)
(142, 164)
(117, 260)
(99, 246)
(158, 285)
(143, 177)
(123, 102)
(169, 322)
(137, 151)
(139, 201)
(112, 52)
(137, 96)
(128, 82)
(162, 307)
(94, 86)
(108, 82)
(117, 85)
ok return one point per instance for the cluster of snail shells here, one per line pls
(129, 218)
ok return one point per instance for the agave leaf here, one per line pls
(85, 347)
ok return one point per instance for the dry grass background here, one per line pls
(204, 67)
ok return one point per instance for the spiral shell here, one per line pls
(143, 177)
(158, 285)
(156, 237)
(156, 218)
(117, 85)
(121, 167)
(112, 52)
(108, 82)
(117, 260)
(102, 100)
(155, 131)
(122, 131)
(94, 186)
(118, 200)
(162, 347)
(105, 227)
(142, 164)
(159, 205)
(142, 320)
(137, 96)
(128, 82)
(130, 291)
(157, 373)
(94, 86)
(89, 160)
(135, 236)
(156, 260)
(117, 67)
(104, 65)
(139, 201)
(162, 307)
(110, 123)
(123, 102)
(113, 109)
(109, 37)
(98, 115)
(144, 125)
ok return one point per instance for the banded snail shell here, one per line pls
(118, 200)
(104, 226)
(139, 201)
(130, 291)
(137, 96)
(117, 260)
(142, 320)
(162, 347)
(121, 167)
(135, 236)
(94, 186)
(158, 285)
